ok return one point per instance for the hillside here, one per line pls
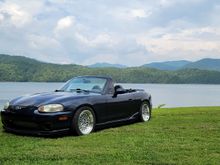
(205, 64)
(16, 68)
(168, 65)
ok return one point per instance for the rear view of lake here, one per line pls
(172, 95)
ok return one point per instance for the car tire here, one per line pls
(83, 121)
(145, 112)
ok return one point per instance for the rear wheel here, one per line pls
(145, 112)
(83, 121)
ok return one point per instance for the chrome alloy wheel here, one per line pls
(86, 122)
(145, 112)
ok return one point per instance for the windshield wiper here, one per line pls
(59, 90)
(79, 90)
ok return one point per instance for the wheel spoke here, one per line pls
(86, 122)
(145, 112)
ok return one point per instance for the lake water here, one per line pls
(172, 95)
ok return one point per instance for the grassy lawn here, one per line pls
(173, 136)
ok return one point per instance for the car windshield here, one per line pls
(90, 84)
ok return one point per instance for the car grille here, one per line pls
(18, 108)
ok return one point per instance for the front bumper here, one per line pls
(37, 123)
(36, 132)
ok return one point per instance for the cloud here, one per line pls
(130, 14)
(1, 18)
(48, 48)
(101, 40)
(192, 43)
(129, 32)
(41, 42)
(13, 14)
(65, 23)
(139, 13)
(169, 3)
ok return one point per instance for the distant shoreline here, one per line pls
(22, 69)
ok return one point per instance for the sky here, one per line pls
(129, 32)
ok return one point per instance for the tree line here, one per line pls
(22, 69)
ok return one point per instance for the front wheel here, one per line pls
(83, 121)
(145, 112)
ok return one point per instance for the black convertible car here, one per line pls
(79, 106)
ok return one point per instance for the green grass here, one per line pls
(173, 136)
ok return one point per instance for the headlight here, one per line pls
(51, 108)
(6, 105)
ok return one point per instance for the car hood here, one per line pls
(49, 98)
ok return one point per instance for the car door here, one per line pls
(120, 106)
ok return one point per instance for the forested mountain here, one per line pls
(16, 68)
(205, 64)
(167, 65)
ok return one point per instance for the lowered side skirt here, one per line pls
(134, 116)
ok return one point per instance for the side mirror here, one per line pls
(118, 91)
